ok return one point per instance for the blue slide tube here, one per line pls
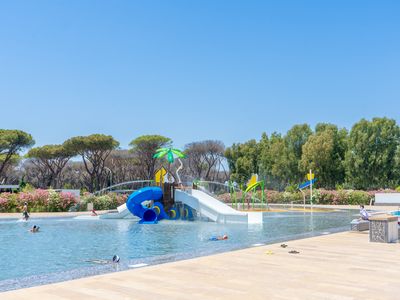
(134, 204)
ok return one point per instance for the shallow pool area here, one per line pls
(65, 248)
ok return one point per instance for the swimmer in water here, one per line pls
(114, 260)
(219, 238)
(34, 229)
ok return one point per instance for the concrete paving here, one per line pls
(338, 266)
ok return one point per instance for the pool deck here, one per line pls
(337, 266)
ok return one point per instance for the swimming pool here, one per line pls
(64, 247)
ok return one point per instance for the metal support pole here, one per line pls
(311, 187)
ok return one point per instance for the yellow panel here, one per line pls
(252, 186)
(159, 176)
(253, 180)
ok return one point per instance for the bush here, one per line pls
(358, 197)
(103, 202)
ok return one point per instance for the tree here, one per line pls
(294, 139)
(94, 150)
(243, 160)
(371, 156)
(32, 174)
(12, 142)
(74, 176)
(205, 158)
(50, 161)
(324, 153)
(144, 148)
(123, 165)
(274, 161)
(11, 172)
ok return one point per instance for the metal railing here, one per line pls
(217, 188)
(131, 186)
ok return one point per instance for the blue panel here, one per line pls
(307, 184)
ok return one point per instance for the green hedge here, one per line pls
(103, 202)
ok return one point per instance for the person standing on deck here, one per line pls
(25, 214)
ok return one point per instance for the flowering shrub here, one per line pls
(3, 204)
(38, 200)
(8, 202)
(51, 201)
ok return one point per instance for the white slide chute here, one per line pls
(215, 210)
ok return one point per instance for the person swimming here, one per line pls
(219, 238)
(115, 260)
(34, 228)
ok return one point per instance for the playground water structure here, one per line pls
(203, 203)
(139, 204)
(194, 202)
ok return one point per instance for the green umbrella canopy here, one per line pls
(169, 152)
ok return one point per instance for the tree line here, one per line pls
(366, 157)
(96, 161)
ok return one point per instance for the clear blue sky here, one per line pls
(194, 70)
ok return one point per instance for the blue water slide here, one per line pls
(135, 200)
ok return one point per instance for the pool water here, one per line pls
(396, 213)
(64, 247)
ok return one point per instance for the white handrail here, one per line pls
(121, 184)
